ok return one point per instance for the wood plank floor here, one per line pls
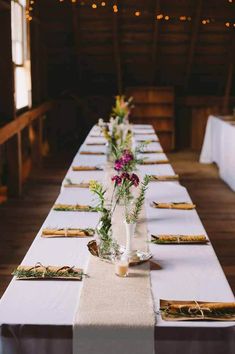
(20, 219)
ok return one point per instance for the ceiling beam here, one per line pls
(76, 32)
(155, 42)
(116, 47)
(193, 42)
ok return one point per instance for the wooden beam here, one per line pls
(14, 127)
(116, 47)
(153, 70)
(230, 72)
(14, 165)
(76, 32)
(194, 36)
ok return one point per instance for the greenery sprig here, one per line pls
(132, 216)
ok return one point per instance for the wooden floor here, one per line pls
(21, 219)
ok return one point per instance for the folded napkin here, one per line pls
(96, 143)
(86, 168)
(67, 232)
(77, 185)
(151, 152)
(164, 178)
(92, 153)
(144, 133)
(70, 207)
(180, 206)
(172, 310)
(39, 271)
(153, 162)
(178, 239)
(147, 140)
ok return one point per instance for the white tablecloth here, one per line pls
(219, 147)
(36, 317)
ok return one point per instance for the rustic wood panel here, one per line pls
(155, 105)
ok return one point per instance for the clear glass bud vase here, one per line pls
(107, 246)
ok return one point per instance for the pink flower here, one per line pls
(117, 180)
(135, 179)
(127, 157)
(118, 165)
(125, 175)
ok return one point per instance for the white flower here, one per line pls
(100, 122)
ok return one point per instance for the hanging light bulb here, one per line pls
(94, 6)
(160, 17)
(137, 13)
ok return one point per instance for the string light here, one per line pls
(115, 8)
(137, 13)
(160, 17)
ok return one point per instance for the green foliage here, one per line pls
(132, 217)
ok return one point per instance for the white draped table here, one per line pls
(219, 147)
(36, 317)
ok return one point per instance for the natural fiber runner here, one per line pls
(115, 315)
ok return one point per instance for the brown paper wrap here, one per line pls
(178, 239)
(92, 153)
(172, 310)
(154, 162)
(179, 206)
(72, 207)
(164, 178)
(69, 232)
(86, 168)
(40, 272)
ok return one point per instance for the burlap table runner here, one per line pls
(115, 315)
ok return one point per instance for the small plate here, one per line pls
(140, 256)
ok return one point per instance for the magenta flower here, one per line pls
(125, 175)
(127, 157)
(117, 179)
(118, 165)
(135, 179)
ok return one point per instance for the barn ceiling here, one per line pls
(188, 44)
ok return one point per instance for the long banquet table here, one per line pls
(219, 147)
(37, 317)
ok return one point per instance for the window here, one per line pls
(20, 54)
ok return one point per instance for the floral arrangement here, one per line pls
(122, 108)
(117, 136)
(123, 184)
(126, 159)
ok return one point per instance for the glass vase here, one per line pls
(107, 246)
(109, 152)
